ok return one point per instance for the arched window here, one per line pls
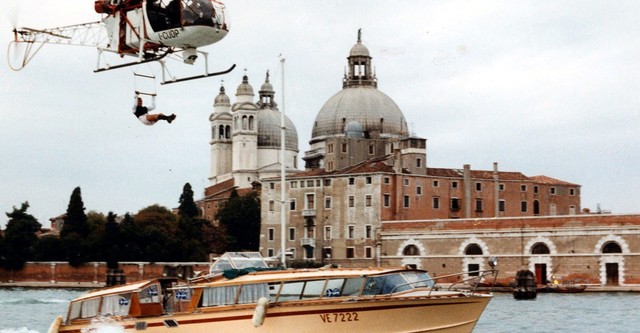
(245, 122)
(473, 250)
(227, 132)
(540, 248)
(411, 250)
(221, 132)
(251, 123)
(611, 247)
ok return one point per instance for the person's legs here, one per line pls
(153, 117)
(159, 116)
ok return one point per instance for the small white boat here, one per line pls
(251, 297)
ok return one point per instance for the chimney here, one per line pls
(467, 190)
(496, 190)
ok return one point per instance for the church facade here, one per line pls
(245, 144)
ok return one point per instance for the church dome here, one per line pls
(359, 102)
(269, 135)
(269, 130)
(376, 112)
(266, 86)
(359, 50)
(244, 88)
(222, 98)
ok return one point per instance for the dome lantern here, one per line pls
(359, 70)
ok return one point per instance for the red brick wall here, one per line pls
(89, 273)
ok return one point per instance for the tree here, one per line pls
(188, 207)
(194, 233)
(20, 237)
(240, 216)
(158, 230)
(131, 235)
(110, 241)
(49, 249)
(75, 230)
(93, 242)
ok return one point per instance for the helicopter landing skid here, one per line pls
(143, 61)
(175, 80)
(167, 78)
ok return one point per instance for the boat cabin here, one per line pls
(242, 285)
(140, 299)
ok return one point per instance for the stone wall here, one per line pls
(596, 249)
(96, 273)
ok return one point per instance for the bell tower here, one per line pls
(245, 136)
(221, 134)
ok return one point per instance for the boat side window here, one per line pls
(291, 291)
(352, 286)
(90, 308)
(418, 279)
(149, 294)
(74, 312)
(115, 305)
(180, 299)
(274, 289)
(314, 289)
(250, 293)
(217, 296)
(384, 284)
(333, 288)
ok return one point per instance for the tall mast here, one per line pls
(283, 205)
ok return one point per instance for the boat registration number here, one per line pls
(339, 317)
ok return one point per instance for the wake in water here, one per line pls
(29, 301)
(17, 330)
(103, 325)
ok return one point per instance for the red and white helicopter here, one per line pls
(150, 30)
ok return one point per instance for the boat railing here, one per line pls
(478, 276)
(472, 275)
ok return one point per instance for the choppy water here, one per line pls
(33, 310)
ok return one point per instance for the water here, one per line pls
(33, 310)
(585, 312)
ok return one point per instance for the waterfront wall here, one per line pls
(93, 273)
(592, 249)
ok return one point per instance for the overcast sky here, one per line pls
(541, 87)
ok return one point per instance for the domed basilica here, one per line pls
(363, 169)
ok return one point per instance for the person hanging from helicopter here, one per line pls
(142, 112)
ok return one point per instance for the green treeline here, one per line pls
(153, 234)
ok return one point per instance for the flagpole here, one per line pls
(283, 205)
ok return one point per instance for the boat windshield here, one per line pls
(396, 282)
(238, 260)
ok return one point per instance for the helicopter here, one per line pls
(149, 30)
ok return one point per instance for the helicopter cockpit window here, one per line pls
(199, 12)
(164, 14)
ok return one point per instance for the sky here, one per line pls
(540, 87)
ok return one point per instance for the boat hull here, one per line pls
(392, 314)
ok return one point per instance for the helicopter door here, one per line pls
(133, 28)
(163, 14)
